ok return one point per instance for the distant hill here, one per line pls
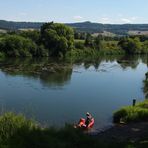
(114, 28)
(9, 25)
(83, 27)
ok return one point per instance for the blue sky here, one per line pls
(66, 11)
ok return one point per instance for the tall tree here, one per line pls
(130, 45)
(57, 38)
(98, 43)
(89, 40)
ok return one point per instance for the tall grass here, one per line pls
(132, 113)
(146, 85)
(18, 132)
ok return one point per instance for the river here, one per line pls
(55, 92)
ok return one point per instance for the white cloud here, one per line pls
(78, 18)
(129, 19)
(105, 20)
(118, 19)
(126, 20)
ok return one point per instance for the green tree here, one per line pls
(33, 35)
(131, 45)
(145, 47)
(57, 38)
(98, 43)
(89, 40)
(14, 45)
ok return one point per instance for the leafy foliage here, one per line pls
(57, 38)
(132, 113)
(14, 46)
(33, 35)
(130, 45)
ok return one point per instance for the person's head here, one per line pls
(87, 114)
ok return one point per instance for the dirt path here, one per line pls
(120, 133)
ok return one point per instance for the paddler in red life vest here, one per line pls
(86, 124)
(89, 122)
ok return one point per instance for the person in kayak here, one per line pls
(89, 119)
(86, 123)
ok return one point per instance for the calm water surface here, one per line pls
(52, 95)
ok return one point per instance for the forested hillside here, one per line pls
(82, 27)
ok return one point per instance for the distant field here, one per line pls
(105, 33)
(138, 32)
(27, 29)
(105, 42)
(3, 31)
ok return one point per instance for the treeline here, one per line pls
(52, 40)
(59, 40)
(10, 25)
(133, 45)
(114, 28)
(88, 27)
(112, 45)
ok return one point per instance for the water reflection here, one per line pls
(50, 73)
(53, 72)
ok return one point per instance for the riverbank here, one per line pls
(131, 128)
(17, 131)
(134, 135)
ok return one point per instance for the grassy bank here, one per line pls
(91, 53)
(139, 112)
(18, 132)
(146, 85)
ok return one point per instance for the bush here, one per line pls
(2, 55)
(145, 47)
(17, 46)
(12, 126)
(79, 45)
(130, 113)
(130, 45)
(33, 35)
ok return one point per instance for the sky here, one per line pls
(69, 11)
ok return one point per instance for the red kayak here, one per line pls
(82, 124)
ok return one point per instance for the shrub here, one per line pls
(130, 46)
(79, 45)
(17, 46)
(130, 113)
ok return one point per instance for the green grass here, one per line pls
(146, 85)
(18, 132)
(131, 114)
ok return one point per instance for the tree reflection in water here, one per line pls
(57, 72)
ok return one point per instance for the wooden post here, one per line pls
(134, 102)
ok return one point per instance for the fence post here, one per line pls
(134, 102)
